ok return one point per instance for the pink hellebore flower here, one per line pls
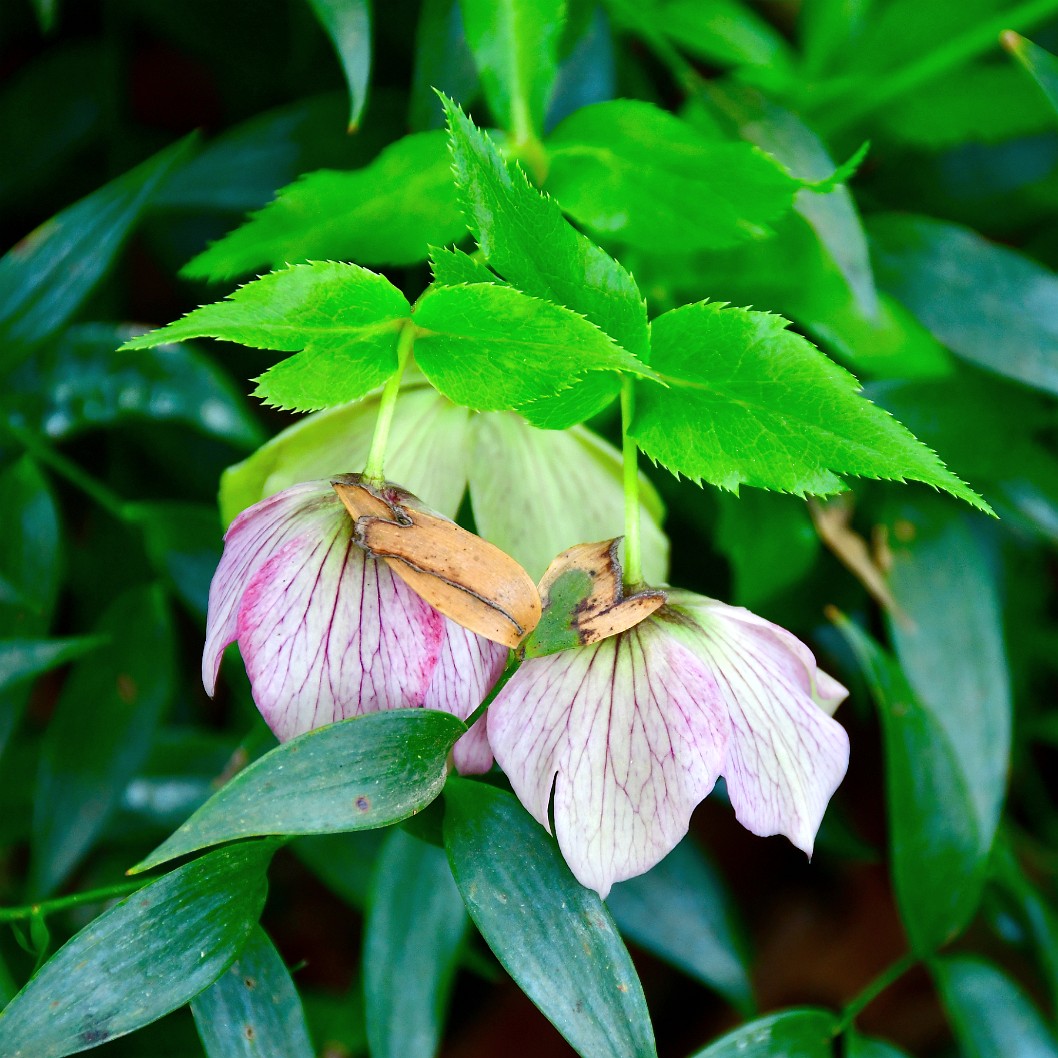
(328, 632)
(631, 733)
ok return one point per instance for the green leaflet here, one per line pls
(749, 402)
(1041, 65)
(387, 213)
(630, 171)
(348, 24)
(806, 1033)
(343, 318)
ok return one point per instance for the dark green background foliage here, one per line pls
(139, 135)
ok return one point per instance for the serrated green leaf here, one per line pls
(388, 213)
(515, 48)
(344, 319)
(525, 238)
(412, 936)
(348, 24)
(749, 402)
(680, 911)
(555, 938)
(491, 347)
(253, 1010)
(453, 268)
(1041, 65)
(45, 278)
(26, 659)
(990, 305)
(101, 733)
(356, 774)
(806, 1033)
(992, 1017)
(635, 173)
(82, 382)
(933, 829)
(141, 959)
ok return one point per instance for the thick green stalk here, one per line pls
(633, 558)
(873, 990)
(376, 457)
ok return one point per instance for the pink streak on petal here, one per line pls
(327, 633)
(250, 541)
(466, 671)
(631, 733)
(786, 756)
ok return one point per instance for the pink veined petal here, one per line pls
(252, 538)
(630, 732)
(786, 756)
(466, 671)
(327, 633)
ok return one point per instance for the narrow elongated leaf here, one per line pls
(253, 1010)
(357, 774)
(83, 381)
(555, 938)
(681, 912)
(1041, 65)
(990, 305)
(348, 24)
(749, 402)
(515, 48)
(344, 318)
(629, 170)
(933, 829)
(389, 212)
(992, 1017)
(100, 734)
(524, 237)
(414, 928)
(141, 959)
(26, 659)
(951, 648)
(491, 347)
(806, 1033)
(443, 63)
(47, 276)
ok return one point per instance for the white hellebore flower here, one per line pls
(631, 732)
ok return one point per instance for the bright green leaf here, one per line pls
(387, 213)
(804, 1033)
(554, 937)
(150, 954)
(933, 830)
(452, 268)
(348, 24)
(343, 318)
(412, 936)
(252, 1010)
(990, 305)
(491, 347)
(515, 48)
(992, 1017)
(357, 774)
(26, 659)
(633, 172)
(750, 402)
(45, 278)
(1041, 65)
(101, 733)
(680, 911)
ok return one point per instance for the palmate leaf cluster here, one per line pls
(553, 199)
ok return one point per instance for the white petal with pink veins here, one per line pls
(466, 671)
(328, 633)
(786, 756)
(631, 733)
(250, 541)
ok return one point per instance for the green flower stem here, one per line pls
(63, 903)
(892, 973)
(953, 53)
(376, 457)
(633, 558)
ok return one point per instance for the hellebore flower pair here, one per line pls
(624, 710)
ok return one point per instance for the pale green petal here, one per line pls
(428, 452)
(537, 492)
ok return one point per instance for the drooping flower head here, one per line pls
(328, 631)
(630, 732)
